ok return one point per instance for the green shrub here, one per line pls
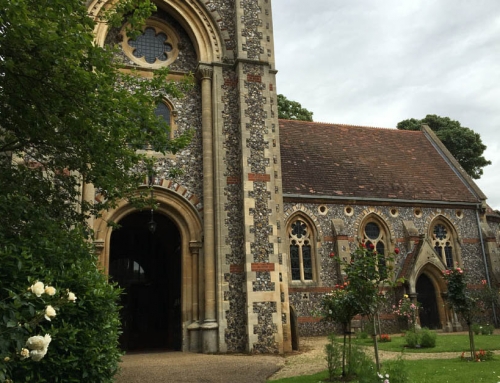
(361, 366)
(333, 357)
(411, 339)
(427, 338)
(476, 328)
(397, 371)
(487, 329)
(84, 346)
(362, 335)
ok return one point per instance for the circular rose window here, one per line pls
(156, 47)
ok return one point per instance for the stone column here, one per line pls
(88, 195)
(194, 327)
(209, 325)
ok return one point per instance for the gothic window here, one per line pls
(163, 111)
(444, 242)
(302, 257)
(374, 235)
(156, 47)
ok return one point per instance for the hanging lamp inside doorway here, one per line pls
(152, 223)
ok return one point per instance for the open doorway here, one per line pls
(148, 267)
(426, 296)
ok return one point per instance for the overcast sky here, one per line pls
(377, 62)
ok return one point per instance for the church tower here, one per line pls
(212, 277)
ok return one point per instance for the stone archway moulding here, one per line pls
(186, 217)
(195, 19)
(170, 203)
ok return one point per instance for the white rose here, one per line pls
(37, 355)
(38, 289)
(49, 290)
(49, 312)
(25, 353)
(71, 297)
(35, 343)
(46, 340)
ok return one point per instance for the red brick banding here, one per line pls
(262, 266)
(253, 78)
(259, 177)
(236, 269)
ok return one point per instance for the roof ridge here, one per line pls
(347, 125)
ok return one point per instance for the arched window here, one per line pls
(302, 251)
(374, 233)
(162, 110)
(444, 242)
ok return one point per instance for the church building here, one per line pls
(240, 254)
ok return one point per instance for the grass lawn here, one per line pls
(431, 371)
(444, 343)
(451, 370)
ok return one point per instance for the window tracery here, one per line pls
(444, 243)
(302, 257)
(374, 235)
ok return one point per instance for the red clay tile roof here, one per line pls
(320, 159)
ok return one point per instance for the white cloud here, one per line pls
(375, 63)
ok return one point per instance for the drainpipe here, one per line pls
(485, 260)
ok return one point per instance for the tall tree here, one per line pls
(465, 144)
(292, 110)
(68, 118)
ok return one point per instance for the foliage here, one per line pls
(407, 310)
(411, 338)
(427, 338)
(427, 371)
(292, 110)
(463, 143)
(480, 329)
(397, 370)
(468, 303)
(84, 335)
(68, 111)
(333, 357)
(362, 366)
(68, 118)
(446, 342)
(367, 275)
(423, 338)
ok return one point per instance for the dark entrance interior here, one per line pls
(148, 266)
(426, 296)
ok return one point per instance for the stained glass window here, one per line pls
(301, 252)
(443, 244)
(151, 46)
(374, 235)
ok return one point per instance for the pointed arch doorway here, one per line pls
(148, 267)
(427, 297)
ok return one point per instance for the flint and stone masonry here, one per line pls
(230, 208)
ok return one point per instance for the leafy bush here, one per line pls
(427, 338)
(362, 335)
(84, 345)
(397, 371)
(333, 357)
(487, 329)
(411, 339)
(362, 366)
